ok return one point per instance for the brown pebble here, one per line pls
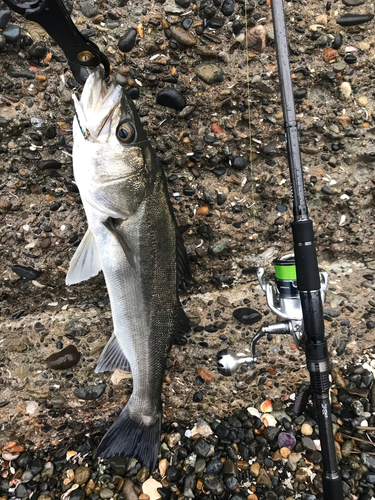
(46, 243)
(49, 197)
(345, 120)
(242, 464)
(207, 377)
(143, 496)
(285, 452)
(202, 210)
(330, 54)
(256, 39)
(5, 204)
(64, 359)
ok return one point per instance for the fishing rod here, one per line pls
(300, 286)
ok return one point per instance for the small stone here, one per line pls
(64, 359)
(239, 163)
(129, 492)
(4, 18)
(106, 494)
(362, 101)
(127, 41)
(308, 443)
(82, 475)
(353, 3)
(214, 466)
(182, 36)
(345, 90)
(38, 50)
(172, 439)
(90, 392)
(330, 54)
(12, 33)
(247, 316)
(26, 272)
(3, 43)
(88, 8)
(354, 19)
(322, 19)
(256, 38)
(264, 479)
(230, 467)
(337, 42)
(306, 429)
(285, 452)
(254, 469)
(209, 73)
(201, 447)
(213, 484)
(163, 466)
(228, 7)
(5, 204)
(171, 98)
(150, 488)
(286, 439)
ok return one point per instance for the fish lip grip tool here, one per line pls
(56, 21)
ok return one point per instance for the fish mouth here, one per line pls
(95, 108)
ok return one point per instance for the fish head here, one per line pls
(110, 143)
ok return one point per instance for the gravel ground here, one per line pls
(186, 67)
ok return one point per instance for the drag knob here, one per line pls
(228, 362)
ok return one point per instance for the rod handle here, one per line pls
(332, 488)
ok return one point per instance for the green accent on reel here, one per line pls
(286, 272)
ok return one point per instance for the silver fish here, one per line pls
(133, 238)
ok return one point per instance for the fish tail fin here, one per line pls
(133, 436)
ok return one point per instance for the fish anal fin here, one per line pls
(112, 357)
(111, 225)
(85, 262)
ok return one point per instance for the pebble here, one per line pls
(213, 484)
(239, 163)
(209, 73)
(171, 98)
(182, 36)
(127, 42)
(12, 33)
(256, 38)
(306, 429)
(354, 19)
(26, 272)
(38, 50)
(4, 17)
(337, 42)
(3, 43)
(106, 494)
(64, 359)
(82, 475)
(88, 8)
(150, 488)
(345, 90)
(362, 101)
(90, 392)
(247, 316)
(228, 7)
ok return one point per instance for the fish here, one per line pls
(134, 239)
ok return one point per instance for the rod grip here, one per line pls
(308, 277)
(332, 488)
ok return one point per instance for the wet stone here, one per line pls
(354, 19)
(209, 73)
(127, 41)
(4, 18)
(106, 494)
(216, 22)
(38, 50)
(90, 392)
(337, 42)
(171, 98)
(214, 466)
(22, 491)
(231, 482)
(77, 494)
(64, 359)
(239, 163)
(12, 33)
(286, 440)
(26, 272)
(230, 467)
(82, 475)
(228, 7)
(247, 316)
(213, 484)
(201, 447)
(182, 36)
(88, 8)
(353, 3)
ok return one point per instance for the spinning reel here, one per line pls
(284, 300)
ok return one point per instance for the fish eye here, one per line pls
(125, 133)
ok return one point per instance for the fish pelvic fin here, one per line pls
(182, 326)
(182, 261)
(110, 225)
(133, 437)
(112, 357)
(85, 262)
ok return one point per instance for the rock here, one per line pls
(4, 18)
(362, 101)
(90, 392)
(238, 163)
(201, 447)
(214, 466)
(38, 50)
(64, 359)
(330, 54)
(307, 430)
(150, 488)
(354, 19)
(106, 494)
(22, 491)
(5, 204)
(247, 316)
(209, 73)
(256, 38)
(213, 484)
(254, 469)
(322, 19)
(182, 36)
(308, 443)
(353, 3)
(88, 8)
(171, 98)
(302, 475)
(12, 33)
(129, 491)
(127, 41)
(26, 272)
(337, 42)
(230, 467)
(227, 8)
(172, 439)
(264, 479)
(286, 439)
(82, 475)
(3, 43)
(345, 90)
(163, 466)
(202, 428)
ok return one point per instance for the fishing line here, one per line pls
(253, 209)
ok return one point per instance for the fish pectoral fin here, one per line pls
(112, 358)
(182, 261)
(85, 262)
(110, 224)
(182, 326)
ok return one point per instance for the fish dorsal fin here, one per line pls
(112, 357)
(110, 224)
(85, 262)
(182, 261)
